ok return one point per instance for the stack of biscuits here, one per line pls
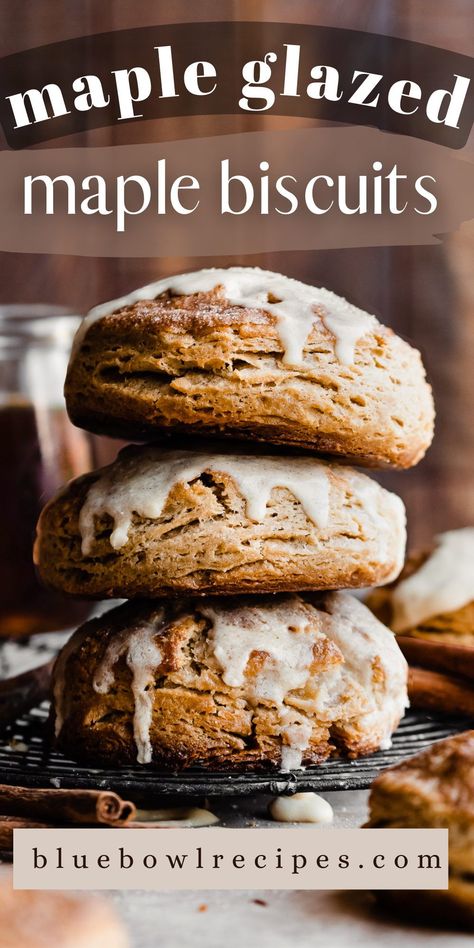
(233, 532)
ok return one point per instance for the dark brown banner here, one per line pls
(284, 69)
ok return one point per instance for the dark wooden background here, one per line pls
(424, 293)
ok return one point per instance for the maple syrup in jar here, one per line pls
(39, 451)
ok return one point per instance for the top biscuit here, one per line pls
(246, 353)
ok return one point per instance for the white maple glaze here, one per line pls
(296, 731)
(287, 632)
(283, 630)
(179, 816)
(382, 509)
(295, 305)
(442, 584)
(365, 642)
(301, 808)
(141, 483)
(143, 657)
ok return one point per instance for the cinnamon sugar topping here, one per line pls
(295, 305)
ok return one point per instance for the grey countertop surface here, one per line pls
(272, 919)
(285, 920)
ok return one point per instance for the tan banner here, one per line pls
(231, 859)
(296, 189)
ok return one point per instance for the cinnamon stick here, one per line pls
(442, 656)
(432, 691)
(66, 806)
(22, 692)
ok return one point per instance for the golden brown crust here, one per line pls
(434, 789)
(196, 717)
(197, 364)
(204, 542)
(456, 628)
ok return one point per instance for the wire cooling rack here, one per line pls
(26, 759)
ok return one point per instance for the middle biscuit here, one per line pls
(157, 522)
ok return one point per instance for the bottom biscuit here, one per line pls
(245, 683)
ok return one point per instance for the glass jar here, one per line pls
(39, 450)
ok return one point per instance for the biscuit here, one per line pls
(239, 683)
(156, 523)
(434, 789)
(433, 598)
(246, 353)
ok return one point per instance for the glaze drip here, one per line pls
(296, 732)
(286, 632)
(295, 305)
(141, 483)
(143, 657)
(373, 662)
